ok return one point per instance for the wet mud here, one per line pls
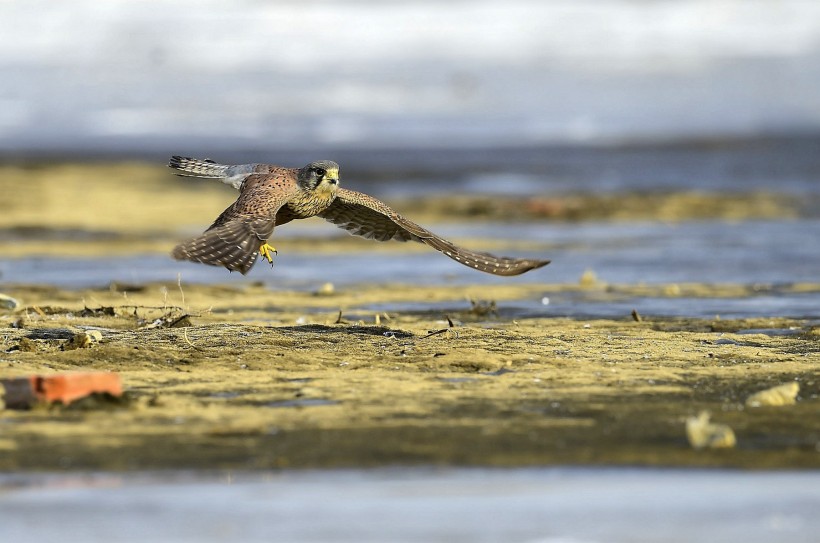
(244, 377)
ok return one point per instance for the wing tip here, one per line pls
(525, 265)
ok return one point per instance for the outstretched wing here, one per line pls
(233, 240)
(233, 245)
(365, 216)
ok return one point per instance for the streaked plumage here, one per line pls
(272, 196)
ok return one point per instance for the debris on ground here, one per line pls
(64, 388)
(703, 434)
(779, 395)
(83, 340)
(7, 302)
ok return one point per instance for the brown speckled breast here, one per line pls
(309, 203)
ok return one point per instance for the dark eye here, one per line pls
(320, 172)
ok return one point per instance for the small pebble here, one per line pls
(672, 290)
(83, 340)
(703, 434)
(779, 395)
(588, 279)
(326, 289)
(7, 302)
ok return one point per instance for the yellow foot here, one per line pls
(267, 251)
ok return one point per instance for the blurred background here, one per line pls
(687, 130)
(140, 78)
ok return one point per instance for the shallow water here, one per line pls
(585, 305)
(766, 254)
(562, 505)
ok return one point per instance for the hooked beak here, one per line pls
(332, 176)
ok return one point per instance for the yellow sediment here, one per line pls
(273, 379)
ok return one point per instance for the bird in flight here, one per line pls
(270, 196)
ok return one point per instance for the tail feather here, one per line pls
(233, 175)
(195, 167)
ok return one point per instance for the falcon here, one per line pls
(270, 196)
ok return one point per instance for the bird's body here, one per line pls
(271, 196)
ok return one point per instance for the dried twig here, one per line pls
(179, 284)
(188, 341)
(449, 330)
(340, 320)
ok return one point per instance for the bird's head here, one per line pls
(320, 176)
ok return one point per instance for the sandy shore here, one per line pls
(263, 379)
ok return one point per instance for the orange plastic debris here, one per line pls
(23, 392)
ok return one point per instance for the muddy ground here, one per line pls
(239, 376)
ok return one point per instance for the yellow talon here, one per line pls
(267, 251)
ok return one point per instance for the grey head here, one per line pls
(321, 174)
